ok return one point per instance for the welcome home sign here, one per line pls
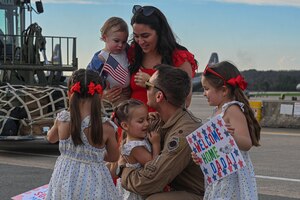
(218, 154)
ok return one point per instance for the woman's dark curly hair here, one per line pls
(166, 43)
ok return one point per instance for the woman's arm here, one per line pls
(111, 94)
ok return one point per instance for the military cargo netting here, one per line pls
(32, 108)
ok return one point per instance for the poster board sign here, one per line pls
(39, 193)
(218, 154)
(286, 109)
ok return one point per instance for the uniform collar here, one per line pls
(175, 117)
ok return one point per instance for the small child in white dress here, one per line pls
(132, 117)
(223, 86)
(86, 141)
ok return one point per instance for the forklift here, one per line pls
(33, 70)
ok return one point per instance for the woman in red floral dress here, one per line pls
(154, 43)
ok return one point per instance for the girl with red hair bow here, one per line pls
(223, 86)
(86, 140)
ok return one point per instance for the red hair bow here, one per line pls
(75, 88)
(94, 88)
(238, 81)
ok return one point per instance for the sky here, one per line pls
(252, 34)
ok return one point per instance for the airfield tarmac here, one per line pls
(25, 165)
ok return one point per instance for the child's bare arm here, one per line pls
(154, 138)
(111, 145)
(140, 154)
(52, 135)
(112, 166)
(238, 127)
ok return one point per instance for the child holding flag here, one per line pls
(223, 86)
(111, 62)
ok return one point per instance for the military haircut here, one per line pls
(175, 82)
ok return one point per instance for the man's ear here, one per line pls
(159, 96)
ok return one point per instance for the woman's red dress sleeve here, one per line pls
(181, 56)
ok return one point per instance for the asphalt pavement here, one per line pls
(29, 164)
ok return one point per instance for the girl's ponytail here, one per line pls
(253, 124)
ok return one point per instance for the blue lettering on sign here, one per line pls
(223, 162)
(213, 167)
(207, 140)
(215, 136)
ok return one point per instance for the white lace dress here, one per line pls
(80, 171)
(126, 150)
(240, 185)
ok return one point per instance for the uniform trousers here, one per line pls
(174, 195)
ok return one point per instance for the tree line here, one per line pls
(272, 80)
(264, 80)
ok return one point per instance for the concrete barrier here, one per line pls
(280, 114)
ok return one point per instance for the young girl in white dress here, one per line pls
(132, 117)
(223, 86)
(86, 141)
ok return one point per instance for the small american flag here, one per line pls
(113, 68)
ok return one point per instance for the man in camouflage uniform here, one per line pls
(167, 90)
